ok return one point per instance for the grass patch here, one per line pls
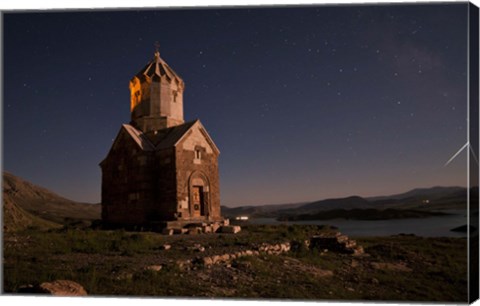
(113, 263)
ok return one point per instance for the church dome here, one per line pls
(157, 69)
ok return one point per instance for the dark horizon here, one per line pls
(286, 203)
(304, 102)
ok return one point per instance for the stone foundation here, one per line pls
(189, 227)
(336, 243)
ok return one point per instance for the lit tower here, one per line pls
(156, 97)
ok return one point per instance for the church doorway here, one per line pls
(198, 202)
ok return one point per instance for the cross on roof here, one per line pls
(157, 47)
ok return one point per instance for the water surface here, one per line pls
(435, 226)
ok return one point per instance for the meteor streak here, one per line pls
(458, 152)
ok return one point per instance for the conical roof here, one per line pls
(157, 69)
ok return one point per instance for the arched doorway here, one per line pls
(199, 188)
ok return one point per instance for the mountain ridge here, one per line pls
(429, 198)
(34, 204)
(42, 203)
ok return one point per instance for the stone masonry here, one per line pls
(161, 171)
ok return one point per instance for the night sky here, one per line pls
(304, 103)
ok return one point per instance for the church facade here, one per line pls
(160, 171)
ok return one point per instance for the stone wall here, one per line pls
(145, 187)
(164, 207)
(337, 243)
(126, 182)
(206, 168)
(138, 187)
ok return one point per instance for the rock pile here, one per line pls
(273, 249)
(326, 242)
(204, 228)
(336, 243)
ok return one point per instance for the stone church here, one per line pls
(161, 171)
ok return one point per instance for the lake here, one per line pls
(436, 226)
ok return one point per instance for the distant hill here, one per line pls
(432, 192)
(427, 199)
(23, 200)
(329, 204)
(28, 205)
(434, 198)
(15, 218)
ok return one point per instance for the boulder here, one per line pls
(225, 257)
(154, 268)
(207, 261)
(230, 229)
(168, 231)
(215, 259)
(58, 288)
(358, 250)
(166, 247)
(215, 227)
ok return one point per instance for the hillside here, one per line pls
(213, 266)
(352, 202)
(23, 200)
(17, 219)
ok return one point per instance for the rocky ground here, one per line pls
(261, 262)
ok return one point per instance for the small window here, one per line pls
(198, 154)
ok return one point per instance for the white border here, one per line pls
(99, 4)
